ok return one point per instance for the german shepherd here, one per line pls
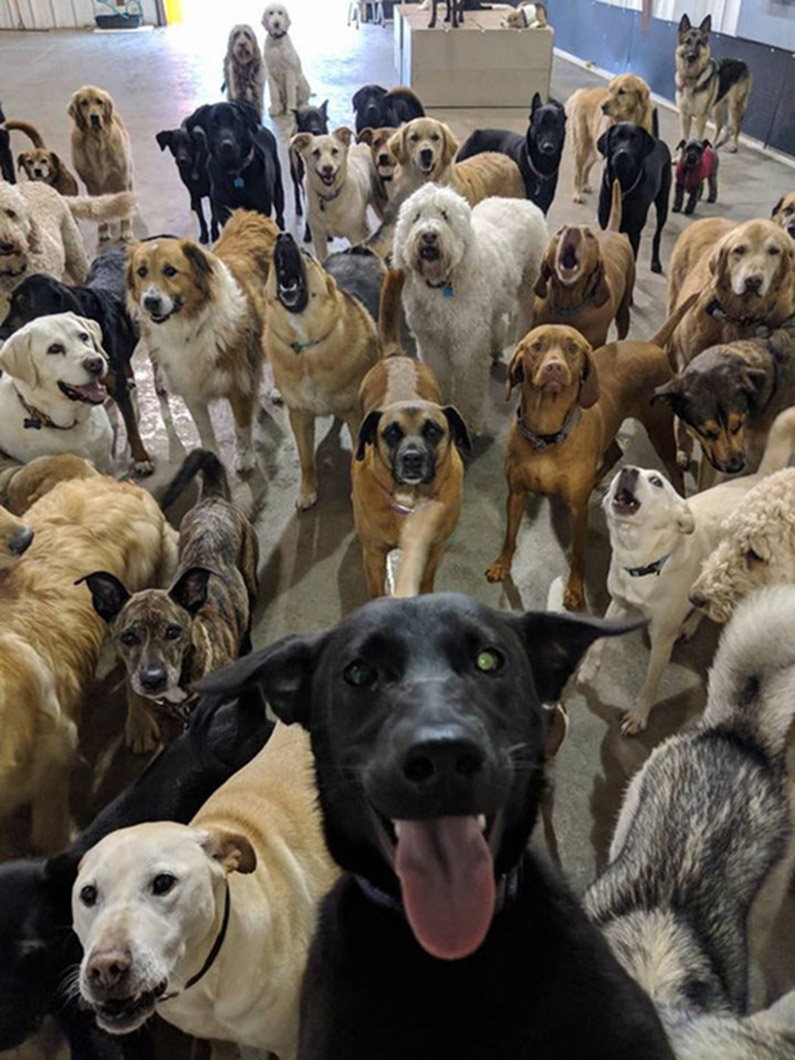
(707, 87)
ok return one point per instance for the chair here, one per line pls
(366, 11)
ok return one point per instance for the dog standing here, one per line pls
(455, 13)
(189, 150)
(707, 87)
(287, 86)
(697, 162)
(312, 120)
(244, 70)
(39, 163)
(377, 108)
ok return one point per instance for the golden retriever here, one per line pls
(592, 110)
(101, 151)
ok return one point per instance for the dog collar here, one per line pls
(651, 568)
(211, 956)
(237, 180)
(446, 287)
(632, 187)
(508, 887)
(569, 311)
(36, 419)
(329, 198)
(537, 172)
(403, 509)
(715, 309)
(545, 441)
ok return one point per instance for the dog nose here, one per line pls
(226, 146)
(735, 463)
(426, 154)
(383, 160)
(753, 284)
(95, 120)
(429, 238)
(553, 371)
(327, 171)
(152, 302)
(442, 761)
(412, 461)
(20, 541)
(697, 600)
(153, 678)
(94, 365)
(605, 108)
(6, 248)
(108, 969)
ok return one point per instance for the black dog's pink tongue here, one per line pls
(447, 877)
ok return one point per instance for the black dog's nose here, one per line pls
(153, 678)
(94, 365)
(440, 761)
(429, 238)
(20, 541)
(226, 146)
(753, 284)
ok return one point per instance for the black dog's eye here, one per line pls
(169, 271)
(752, 557)
(489, 661)
(129, 638)
(392, 434)
(142, 271)
(88, 895)
(360, 674)
(432, 431)
(56, 348)
(655, 481)
(172, 632)
(162, 883)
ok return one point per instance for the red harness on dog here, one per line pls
(692, 178)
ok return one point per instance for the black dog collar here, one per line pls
(36, 419)
(508, 888)
(545, 441)
(211, 956)
(329, 198)
(715, 309)
(651, 568)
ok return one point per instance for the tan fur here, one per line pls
(784, 212)
(383, 164)
(11, 528)
(20, 487)
(79, 525)
(102, 154)
(476, 178)
(558, 370)
(602, 289)
(46, 166)
(592, 110)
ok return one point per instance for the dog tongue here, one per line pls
(447, 877)
(95, 393)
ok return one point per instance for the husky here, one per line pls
(704, 824)
(707, 87)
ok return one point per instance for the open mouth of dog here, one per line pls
(161, 318)
(625, 502)
(290, 274)
(430, 252)
(14, 271)
(327, 179)
(568, 263)
(93, 393)
(119, 1016)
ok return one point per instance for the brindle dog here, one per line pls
(169, 638)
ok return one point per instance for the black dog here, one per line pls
(6, 158)
(102, 299)
(447, 938)
(697, 162)
(189, 150)
(35, 894)
(537, 154)
(311, 120)
(455, 13)
(243, 163)
(642, 166)
(377, 108)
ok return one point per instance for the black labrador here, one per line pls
(189, 151)
(103, 299)
(243, 163)
(641, 163)
(378, 108)
(537, 153)
(311, 120)
(447, 937)
(36, 940)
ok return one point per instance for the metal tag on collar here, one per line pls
(448, 290)
(239, 182)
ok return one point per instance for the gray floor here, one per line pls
(311, 567)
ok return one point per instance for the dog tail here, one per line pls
(14, 125)
(416, 539)
(614, 220)
(118, 207)
(389, 313)
(215, 482)
(663, 336)
(780, 443)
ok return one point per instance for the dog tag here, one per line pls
(239, 182)
(448, 291)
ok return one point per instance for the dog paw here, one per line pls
(632, 724)
(498, 571)
(656, 266)
(682, 459)
(731, 148)
(141, 732)
(306, 501)
(573, 599)
(143, 468)
(578, 197)
(104, 237)
(676, 209)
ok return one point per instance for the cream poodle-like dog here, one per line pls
(758, 548)
(287, 86)
(465, 269)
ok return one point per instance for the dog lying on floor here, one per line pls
(704, 825)
(248, 872)
(35, 893)
(443, 912)
(169, 638)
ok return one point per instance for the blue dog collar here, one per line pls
(652, 568)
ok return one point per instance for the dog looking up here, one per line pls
(704, 825)
(169, 638)
(39, 163)
(244, 70)
(287, 86)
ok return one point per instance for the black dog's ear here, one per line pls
(323, 108)
(706, 143)
(164, 138)
(362, 97)
(684, 24)
(670, 393)
(536, 104)
(680, 145)
(108, 594)
(190, 589)
(248, 113)
(603, 143)
(777, 207)
(706, 26)
(649, 143)
(458, 429)
(283, 672)
(367, 432)
(555, 643)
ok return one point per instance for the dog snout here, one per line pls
(413, 463)
(553, 371)
(226, 145)
(20, 541)
(6, 248)
(733, 463)
(152, 303)
(426, 156)
(443, 761)
(605, 107)
(753, 283)
(107, 970)
(95, 122)
(697, 599)
(94, 365)
(429, 238)
(153, 677)
(383, 159)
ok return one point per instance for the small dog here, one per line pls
(641, 163)
(101, 148)
(169, 638)
(697, 162)
(784, 213)
(189, 150)
(707, 87)
(384, 166)
(705, 824)
(378, 108)
(41, 163)
(340, 184)
(287, 86)
(527, 16)
(537, 154)
(428, 732)
(455, 13)
(244, 69)
(316, 330)
(312, 120)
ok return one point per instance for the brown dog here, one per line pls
(592, 110)
(101, 150)
(587, 278)
(573, 401)
(784, 213)
(383, 163)
(40, 163)
(22, 486)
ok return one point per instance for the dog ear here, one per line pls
(684, 24)
(706, 26)
(753, 382)
(685, 520)
(601, 292)
(190, 589)
(555, 644)
(589, 389)
(450, 145)
(283, 672)
(196, 256)
(396, 146)
(670, 393)
(544, 276)
(603, 143)
(344, 135)
(458, 429)
(301, 141)
(515, 371)
(108, 594)
(164, 138)
(366, 136)
(718, 261)
(22, 158)
(74, 111)
(776, 208)
(536, 104)
(649, 143)
(107, 108)
(680, 145)
(367, 432)
(360, 97)
(15, 357)
(705, 144)
(323, 108)
(231, 850)
(248, 113)
(95, 331)
(56, 163)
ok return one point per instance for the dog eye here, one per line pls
(172, 632)
(88, 895)
(752, 557)
(162, 883)
(735, 429)
(489, 661)
(392, 434)
(169, 271)
(11, 214)
(444, 215)
(655, 481)
(414, 138)
(432, 431)
(142, 271)
(316, 153)
(360, 674)
(129, 638)
(738, 251)
(434, 137)
(537, 346)
(774, 250)
(83, 337)
(56, 348)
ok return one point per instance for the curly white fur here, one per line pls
(287, 86)
(466, 269)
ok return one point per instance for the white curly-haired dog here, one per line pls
(757, 548)
(287, 86)
(466, 268)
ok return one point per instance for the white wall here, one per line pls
(58, 14)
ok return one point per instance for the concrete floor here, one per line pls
(311, 567)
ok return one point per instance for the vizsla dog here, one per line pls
(573, 401)
(587, 277)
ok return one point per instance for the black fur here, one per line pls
(189, 150)
(730, 72)
(642, 166)
(240, 149)
(537, 153)
(398, 685)
(377, 108)
(6, 158)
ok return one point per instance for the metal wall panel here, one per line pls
(58, 14)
